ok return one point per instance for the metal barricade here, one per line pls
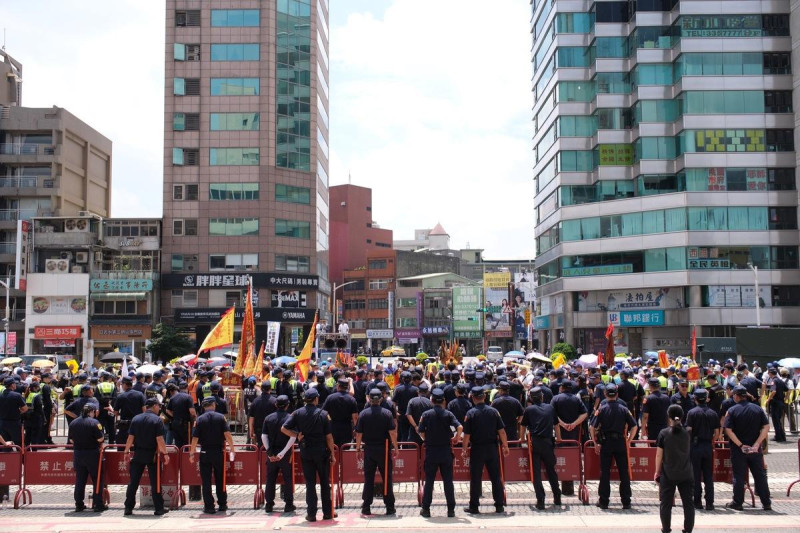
(406, 467)
(569, 461)
(641, 464)
(46, 464)
(299, 477)
(11, 466)
(117, 472)
(723, 468)
(795, 482)
(244, 470)
(460, 470)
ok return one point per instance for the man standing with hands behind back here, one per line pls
(146, 436)
(212, 433)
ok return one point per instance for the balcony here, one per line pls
(22, 214)
(126, 274)
(27, 182)
(64, 239)
(27, 149)
(8, 248)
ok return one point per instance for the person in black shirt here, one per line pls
(377, 430)
(249, 394)
(260, 409)
(654, 411)
(47, 404)
(279, 454)
(417, 406)
(360, 389)
(509, 408)
(776, 405)
(703, 423)
(482, 427)
(683, 398)
(86, 395)
(127, 405)
(146, 436)
(540, 419)
(716, 394)
(460, 404)
(674, 469)
(86, 436)
(436, 429)
(180, 409)
(212, 433)
(312, 428)
(403, 394)
(343, 410)
(34, 417)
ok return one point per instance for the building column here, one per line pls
(569, 327)
(695, 296)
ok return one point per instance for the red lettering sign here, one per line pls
(57, 332)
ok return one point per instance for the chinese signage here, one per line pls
(599, 270)
(288, 298)
(616, 155)
(380, 333)
(721, 26)
(436, 330)
(58, 305)
(738, 296)
(627, 319)
(275, 280)
(496, 280)
(273, 335)
(542, 322)
(23, 234)
(12, 343)
(120, 332)
(57, 332)
(498, 307)
(120, 285)
(648, 298)
(466, 302)
(706, 258)
(260, 314)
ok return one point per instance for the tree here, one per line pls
(566, 349)
(168, 343)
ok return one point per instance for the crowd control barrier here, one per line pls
(11, 466)
(795, 482)
(723, 468)
(517, 466)
(406, 467)
(117, 472)
(641, 464)
(46, 464)
(243, 470)
(460, 469)
(299, 478)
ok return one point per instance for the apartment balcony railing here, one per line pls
(18, 182)
(23, 214)
(126, 274)
(8, 248)
(27, 149)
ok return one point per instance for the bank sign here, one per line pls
(636, 319)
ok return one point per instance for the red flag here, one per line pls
(600, 358)
(609, 355)
(694, 343)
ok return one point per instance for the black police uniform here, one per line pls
(277, 442)
(86, 435)
(249, 395)
(10, 421)
(76, 407)
(360, 393)
(540, 418)
(437, 425)
(703, 422)
(290, 389)
(459, 407)
(341, 407)
(568, 407)
(260, 409)
(626, 391)
(128, 404)
(753, 386)
(33, 419)
(106, 399)
(403, 394)
(47, 405)
(145, 428)
(449, 390)
(416, 407)
(210, 430)
(777, 407)
(716, 395)
(482, 423)
(180, 404)
(374, 423)
(746, 419)
(314, 424)
(510, 410)
(687, 403)
(655, 405)
(611, 422)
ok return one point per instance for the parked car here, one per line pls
(494, 354)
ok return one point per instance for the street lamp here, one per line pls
(333, 299)
(7, 285)
(758, 306)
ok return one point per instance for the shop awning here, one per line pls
(120, 296)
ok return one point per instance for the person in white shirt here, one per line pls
(344, 329)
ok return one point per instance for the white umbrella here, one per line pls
(148, 369)
(536, 356)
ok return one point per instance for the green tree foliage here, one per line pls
(168, 343)
(567, 349)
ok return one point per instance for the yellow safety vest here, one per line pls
(605, 378)
(105, 388)
(31, 397)
(662, 381)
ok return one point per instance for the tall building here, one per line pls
(665, 170)
(246, 161)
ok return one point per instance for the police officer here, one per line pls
(376, 428)
(128, 404)
(776, 403)
(106, 394)
(211, 431)
(47, 405)
(436, 429)
(703, 423)
(747, 427)
(312, 428)
(180, 410)
(482, 428)
(683, 398)
(75, 409)
(218, 394)
(654, 411)
(341, 406)
(460, 404)
(608, 431)
(12, 406)
(260, 409)
(86, 437)
(417, 406)
(509, 408)
(360, 389)
(403, 394)
(146, 437)
(288, 387)
(34, 417)
(716, 393)
(279, 454)
(540, 419)
(570, 414)
(249, 393)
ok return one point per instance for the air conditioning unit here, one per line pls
(77, 269)
(66, 255)
(98, 257)
(56, 266)
(82, 257)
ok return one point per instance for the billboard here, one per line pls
(497, 302)
(522, 302)
(648, 298)
(466, 318)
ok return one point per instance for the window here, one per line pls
(655, 5)
(376, 264)
(573, 22)
(292, 228)
(576, 161)
(111, 307)
(377, 323)
(186, 86)
(186, 122)
(233, 191)
(778, 101)
(188, 157)
(612, 11)
(612, 83)
(235, 18)
(378, 303)
(233, 261)
(181, 262)
(232, 227)
(235, 86)
(234, 121)
(234, 52)
(403, 322)
(292, 263)
(572, 56)
(613, 119)
(406, 302)
(187, 18)
(357, 285)
(351, 305)
(577, 126)
(186, 52)
(184, 298)
(780, 140)
(777, 63)
(654, 37)
(184, 192)
(653, 74)
(378, 284)
(614, 47)
(293, 195)
(187, 227)
(233, 156)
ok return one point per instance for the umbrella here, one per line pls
(113, 357)
(219, 361)
(790, 362)
(11, 361)
(43, 363)
(514, 353)
(588, 360)
(284, 360)
(653, 355)
(148, 369)
(536, 356)
(187, 358)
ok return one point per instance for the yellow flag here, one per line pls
(559, 361)
(254, 365)
(247, 342)
(221, 334)
(304, 361)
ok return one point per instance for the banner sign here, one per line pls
(273, 335)
(648, 298)
(289, 299)
(274, 280)
(57, 332)
(120, 285)
(627, 319)
(466, 302)
(499, 310)
(260, 314)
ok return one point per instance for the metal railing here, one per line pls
(27, 149)
(19, 214)
(8, 247)
(126, 274)
(17, 182)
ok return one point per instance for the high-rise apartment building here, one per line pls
(665, 170)
(245, 160)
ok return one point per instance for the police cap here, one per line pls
(375, 393)
(343, 383)
(536, 392)
(437, 395)
(150, 402)
(477, 391)
(282, 400)
(423, 387)
(740, 391)
(310, 394)
(611, 390)
(480, 375)
(382, 386)
(567, 384)
(8, 382)
(215, 386)
(503, 385)
(654, 382)
(463, 388)
(266, 385)
(208, 400)
(127, 381)
(287, 373)
(700, 394)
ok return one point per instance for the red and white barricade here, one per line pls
(46, 465)
(406, 467)
(117, 472)
(243, 470)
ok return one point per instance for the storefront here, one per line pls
(57, 340)
(379, 339)
(127, 338)
(409, 338)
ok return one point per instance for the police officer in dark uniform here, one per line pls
(611, 430)
(460, 405)
(776, 403)
(260, 409)
(540, 419)
(128, 404)
(47, 405)
(180, 409)
(140, 385)
(417, 406)
(288, 387)
(360, 389)
(482, 427)
(377, 430)
(106, 393)
(683, 398)
(34, 416)
(249, 393)
(12, 406)
(403, 394)
(322, 389)
(312, 427)
(449, 387)
(146, 436)
(279, 454)
(218, 394)
(654, 411)
(211, 431)
(570, 415)
(436, 429)
(509, 408)
(341, 406)
(74, 410)
(86, 437)
(747, 427)
(716, 393)
(703, 423)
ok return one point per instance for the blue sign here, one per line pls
(636, 319)
(542, 322)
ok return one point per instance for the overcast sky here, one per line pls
(430, 104)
